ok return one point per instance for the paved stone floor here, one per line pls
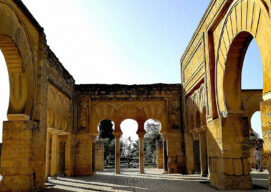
(152, 180)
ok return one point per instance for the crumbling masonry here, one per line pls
(52, 122)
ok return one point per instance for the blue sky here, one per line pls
(252, 78)
(134, 40)
(122, 41)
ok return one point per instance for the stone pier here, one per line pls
(159, 154)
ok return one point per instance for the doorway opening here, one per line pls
(105, 146)
(129, 144)
(153, 145)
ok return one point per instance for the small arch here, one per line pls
(128, 110)
(129, 128)
(105, 145)
(153, 110)
(103, 111)
(153, 147)
(152, 125)
(196, 98)
(129, 141)
(108, 127)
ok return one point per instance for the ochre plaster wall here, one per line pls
(213, 60)
(46, 109)
(30, 63)
(119, 102)
(99, 157)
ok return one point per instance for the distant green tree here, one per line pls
(135, 151)
(106, 130)
(109, 150)
(106, 135)
(127, 149)
(152, 135)
(152, 127)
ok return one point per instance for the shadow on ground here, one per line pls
(152, 180)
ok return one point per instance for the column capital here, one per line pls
(164, 135)
(117, 134)
(141, 133)
(95, 134)
(93, 138)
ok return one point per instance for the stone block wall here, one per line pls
(162, 102)
(159, 154)
(99, 156)
(175, 152)
(83, 155)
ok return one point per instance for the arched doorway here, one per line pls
(18, 137)
(4, 98)
(105, 146)
(234, 126)
(129, 144)
(153, 145)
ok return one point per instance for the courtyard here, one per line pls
(152, 180)
(51, 128)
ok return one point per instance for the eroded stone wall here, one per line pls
(99, 156)
(213, 59)
(139, 102)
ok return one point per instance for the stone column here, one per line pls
(203, 154)
(93, 155)
(117, 151)
(55, 155)
(228, 153)
(48, 163)
(159, 155)
(165, 153)
(99, 157)
(141, 151)
(266, 129)
(189, 152)
(68, 157)
(17, 166)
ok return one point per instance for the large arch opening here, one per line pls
(153, 144)
(252, 83)
(252, 80)
(20, 80)
(20, 89)
(233, 71)
(129, 155)
(4, 97)
(105, 146)
(243, 84)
